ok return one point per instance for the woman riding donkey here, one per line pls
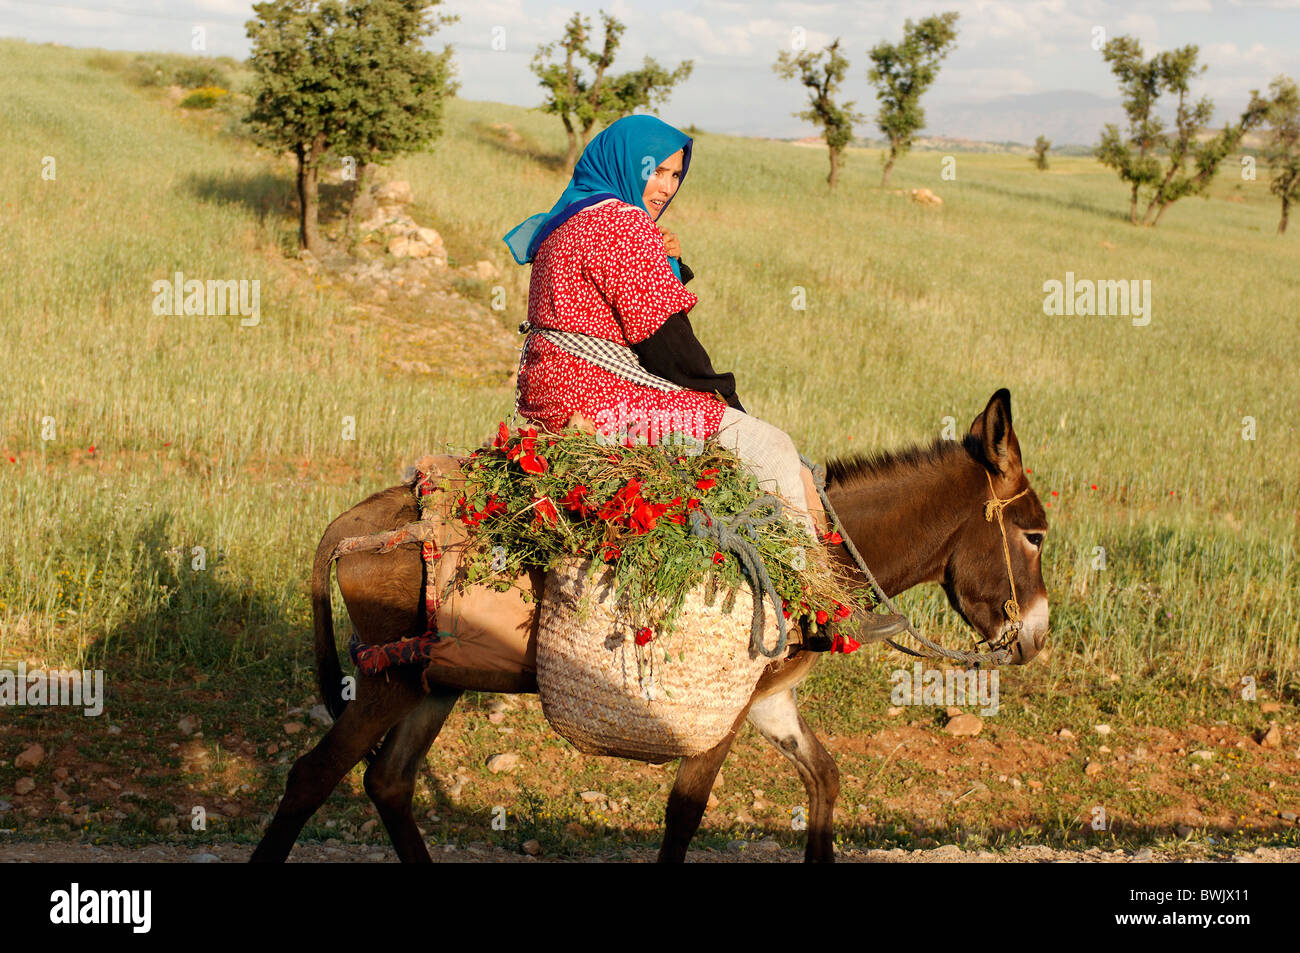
(609, 338)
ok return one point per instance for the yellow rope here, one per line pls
(993, 508)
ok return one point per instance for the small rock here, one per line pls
(498, 763)
(1270, 707)
(1101, 729)
(1144, 855)
(292, 727)
(321, 715)
(496, 717)
(574, 829)
(188, 725)
(1103, 750)
(4, 806)
(1015, 783)
(1271, 738)
(399, 247)
(60, 774)
(114, 730)
(1065, 734)
(964, 726)
(894, 711)
(712, 802)
(486, 270)
(1092, 768)
(1288, 815)
(591, 797)
(204, 858)
(24, 786)
(1204, 755)
(952, 712)
(30, 757)
(531, 847)
(925, 197)
(112, 785)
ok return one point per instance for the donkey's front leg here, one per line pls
(690, 796)
(779, 721)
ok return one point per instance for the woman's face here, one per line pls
(661, 185)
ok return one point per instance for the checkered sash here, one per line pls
(606, 354)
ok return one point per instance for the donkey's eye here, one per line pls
(1035, 539)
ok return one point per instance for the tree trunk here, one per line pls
(308, 177)
(835, 167)
(1286, 208)
(570, 157)
(889, 167)
(1133, 206)
(1159, 213)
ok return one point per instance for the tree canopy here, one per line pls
(582, 101)
(902, 73)
(345, 77)
(822, 73)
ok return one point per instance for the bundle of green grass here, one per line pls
(538, 499)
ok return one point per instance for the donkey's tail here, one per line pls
(329, 674)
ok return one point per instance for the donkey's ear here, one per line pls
(997, 438)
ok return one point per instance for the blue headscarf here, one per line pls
(616, 164)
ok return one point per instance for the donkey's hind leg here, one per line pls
(778, 720)
(390, 780)
(379, 705)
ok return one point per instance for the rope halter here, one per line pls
(993, 510)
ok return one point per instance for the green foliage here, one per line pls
(538, 499)
(1282, 145)
(205, 97)
(582, 102)
(1137, 157)
(902, 73)
(1041, 145)
(345, 77)
(823, 82)
(176, 69)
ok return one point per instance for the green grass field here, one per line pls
(208, 434)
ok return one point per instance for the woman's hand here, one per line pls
(672, 246)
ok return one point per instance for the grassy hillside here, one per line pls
(208, 433)
(128, 439)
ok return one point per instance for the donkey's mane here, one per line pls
(867, 467)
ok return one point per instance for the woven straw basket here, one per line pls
(608, 696)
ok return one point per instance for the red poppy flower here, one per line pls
(545, 513)
(705, 485)
(785, 609)
(842, 612)
(644, 636)
(494, 505)
(622, 502)
(576, 500)
(719, 559)
(692, 504)
(609, 552)
(845, 644)
(531, 463)
(472, 517)
(643, 517)
(502, 438)
(833, 537)
(823, 617)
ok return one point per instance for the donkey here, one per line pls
(916, 516)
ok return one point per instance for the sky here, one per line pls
(1019, 68)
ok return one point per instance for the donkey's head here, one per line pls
(987, 582)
